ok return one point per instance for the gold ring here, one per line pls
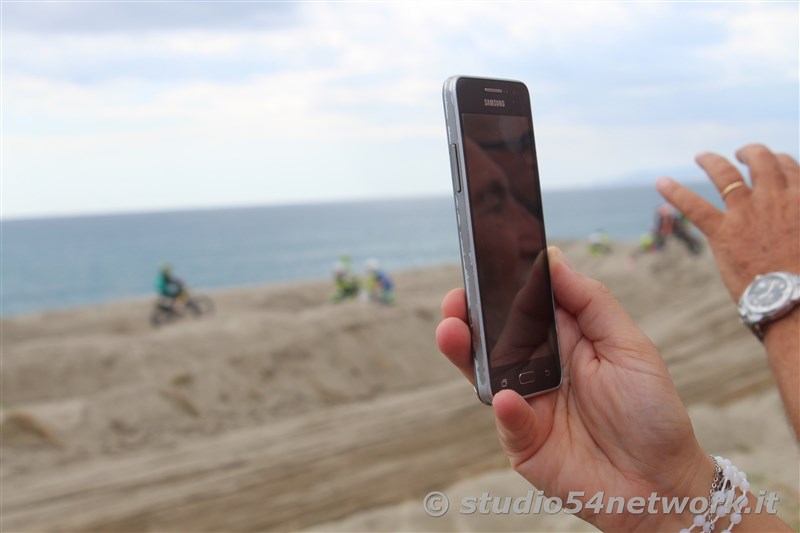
(732, 187)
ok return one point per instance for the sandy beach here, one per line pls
(283, 411)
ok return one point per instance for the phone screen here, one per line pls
(510, 248)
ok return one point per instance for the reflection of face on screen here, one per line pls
(506, 218)
(507, 140)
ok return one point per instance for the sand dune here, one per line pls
(284, 411)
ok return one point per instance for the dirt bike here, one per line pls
(168, 310)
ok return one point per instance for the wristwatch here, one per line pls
(768, 298)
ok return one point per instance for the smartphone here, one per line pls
(501, 232)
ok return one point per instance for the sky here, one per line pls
(123, 107)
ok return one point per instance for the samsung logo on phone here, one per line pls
(489, 102)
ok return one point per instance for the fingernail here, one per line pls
(564, 258)
(663, 183)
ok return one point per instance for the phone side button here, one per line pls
(527, 377)
(455, 168)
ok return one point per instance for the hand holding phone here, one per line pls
(616, 423)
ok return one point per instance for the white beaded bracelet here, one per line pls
(722, 497)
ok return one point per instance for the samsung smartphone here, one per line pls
(501, 232)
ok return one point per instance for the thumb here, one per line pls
(599, 315)
(601, 318)
(522, 427)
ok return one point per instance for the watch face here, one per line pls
(767, 293)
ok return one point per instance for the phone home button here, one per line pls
(527, 377)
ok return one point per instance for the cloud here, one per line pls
(241, 89)
(763, 40)
(133, 16)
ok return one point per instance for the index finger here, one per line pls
(454, 304)
(701, 213)
(454, 340)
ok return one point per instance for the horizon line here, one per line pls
(289, 203)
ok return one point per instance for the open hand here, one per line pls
(759, 232)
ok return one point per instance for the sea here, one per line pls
(57, 263)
